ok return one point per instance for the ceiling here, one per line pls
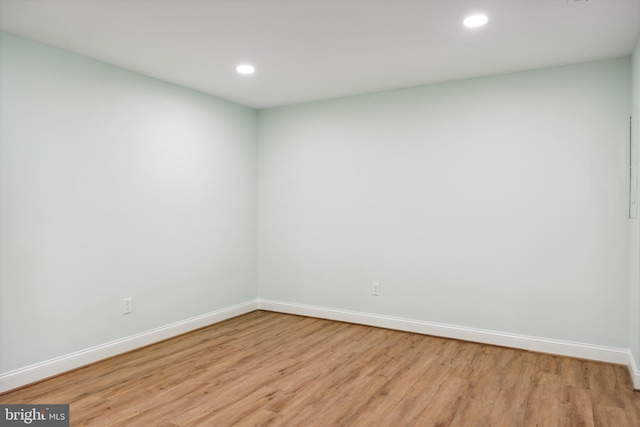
(306, 50)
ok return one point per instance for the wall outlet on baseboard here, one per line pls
(127, 305)
(375, 288)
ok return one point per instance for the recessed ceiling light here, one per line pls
(474, 21)
(245, 69)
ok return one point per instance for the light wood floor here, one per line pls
(274, 369)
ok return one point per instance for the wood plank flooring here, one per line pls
(271, 369)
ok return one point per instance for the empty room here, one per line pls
(319, 213)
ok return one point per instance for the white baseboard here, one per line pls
(543, 345)
(29, 374)
(634, 372)
(58, 365)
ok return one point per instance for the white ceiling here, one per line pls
(306, 50)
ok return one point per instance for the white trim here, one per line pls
(39, 371)
(543, 345)
(634, 372)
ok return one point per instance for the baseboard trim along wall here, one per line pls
(634, 372)
(542, 345)
(39, 371)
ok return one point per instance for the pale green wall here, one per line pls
(496, 203)
(114, 185)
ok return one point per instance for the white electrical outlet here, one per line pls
(577, 2)
(375, 288)
(127, 305)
